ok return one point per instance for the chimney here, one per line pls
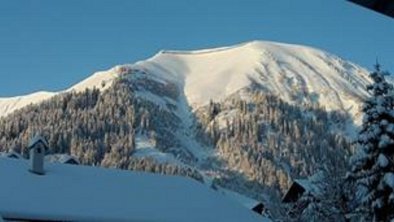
(37, 148)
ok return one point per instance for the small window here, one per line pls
(38, 150)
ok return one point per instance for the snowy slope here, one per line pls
(8, 105)
(295, 73)
(81, 193)
(100, 80)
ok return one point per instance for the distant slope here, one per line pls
(99, 80)
(10, 104)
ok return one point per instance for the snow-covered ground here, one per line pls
(146, 148)
(81, 193)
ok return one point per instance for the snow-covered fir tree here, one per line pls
(372, 164)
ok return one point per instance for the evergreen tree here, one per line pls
(372, 164)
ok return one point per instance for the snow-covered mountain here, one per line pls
(289, 71)
(294, 73)
(248, 118)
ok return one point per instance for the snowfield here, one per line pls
(295, 73)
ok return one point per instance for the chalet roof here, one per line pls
(308, 185)
(11, 154)
(293, 193)
(60, 158)
(82, 193)
(313, 184)
(37, 139)
(299, 186)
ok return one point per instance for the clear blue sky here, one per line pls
(50, 45)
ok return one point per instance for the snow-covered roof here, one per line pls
(243, 200)
(247, 202)
(82, 193)
(60, 158)
(11, 154)
(308, 186)
(312, 184)
(38, 139)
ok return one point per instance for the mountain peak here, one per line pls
(250, 45)
(293, 72)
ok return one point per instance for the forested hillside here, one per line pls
(98, 128)
(269, 142)
(254, 145)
